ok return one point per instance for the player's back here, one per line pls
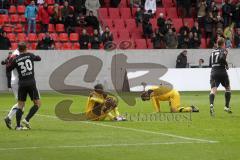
(161, 90)
(218, 60)
(25, 66)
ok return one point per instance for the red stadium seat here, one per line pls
(32, 37)
(177, 23)
(19, 28)
(58, 45)
(123, 4)
(124, 34)
(54, 36)
(140, 44)
(167, 3)
(134, 10)
(118, 24)
(21, 37)
(203, 43)
(60, 28)
(67, 46)
(172, 12)
(51, 28)
(8, 28)
(190, 21)
(136, 35)
(114, 13)
(14, 18)
(160, 10)
(76, 46)
(11, 37)
(63, 37)
(14, 46)
(115, 34)
(32, 46)
(125, 13)
(22, 19)
(74, 37)
(154, 23)
(130, 24)
(107, 22)
(12, 9)
(50, 2)
(103, 13)
(21, 9)
(149, 44)
(41, 36)
(4, 18)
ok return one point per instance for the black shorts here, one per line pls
(218, 78)
(30, 90)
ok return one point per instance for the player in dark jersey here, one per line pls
(219, 75)
(24, 63)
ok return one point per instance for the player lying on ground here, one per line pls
(24, 63)
(165, 93)
(219, 75)
(101, 106)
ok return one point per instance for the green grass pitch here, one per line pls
(201, 138)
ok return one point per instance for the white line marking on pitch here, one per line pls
(97, 145)
(141, 130)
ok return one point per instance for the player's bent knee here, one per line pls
(37, 103)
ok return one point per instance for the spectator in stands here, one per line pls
(136, 4)
(20, 2)
(161, 20)
(171, 39)
(5, 43)
(66, 10)
(237, 38)
(147, 29)
(115, 3)
(158, 40)
(47, 43)
(215, 37)
(1, 29)
(168, 23)
(208, 24)
(70, 23)
(138, 16)
(218, 22)
(84, 40)
(79, 6)
(31, 14)
(56, 16)
(40, 2)
(186, 6)
(92, 5)
(95, 40)
(196, 29)
(236, 15)
(107, 38)
(4, 6)
(44, 16)
(194, 41)
(213, 8)
(183, 40)
(227, 13)
(181, 61)
(184, 28)
(150, 5)
(200, 63)
(202, 6)
(228, 43)
(92, 21)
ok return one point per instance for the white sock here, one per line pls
(13, 111)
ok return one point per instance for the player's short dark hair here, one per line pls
(98, 87)
(220, 42)
(22, 46)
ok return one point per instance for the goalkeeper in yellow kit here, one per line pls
(100, 106)
(165, 93)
